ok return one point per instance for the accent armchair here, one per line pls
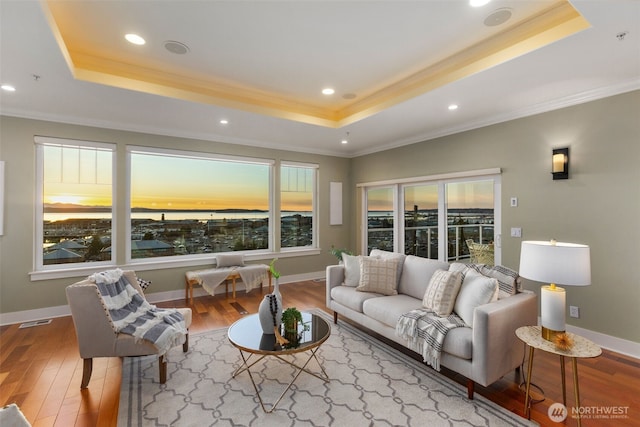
(96, 333)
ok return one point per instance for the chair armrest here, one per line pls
(496, 348)
(335, 277)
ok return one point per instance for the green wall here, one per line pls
(18, 292)
(599, 205)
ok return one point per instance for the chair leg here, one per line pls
(87, 368)
(163, 369)
(335, 317)
(185, 345)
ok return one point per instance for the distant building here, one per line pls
(61, 256)
(150, 248)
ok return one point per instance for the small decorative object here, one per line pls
(270, 314)
(276, 275)
(563, 342)
(270, 309)
(291, 318)
(338, 252)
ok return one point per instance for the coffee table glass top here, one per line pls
(246, 334)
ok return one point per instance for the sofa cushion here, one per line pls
(229, 260)
(476, 290)
(350, 298)
(458, 342)
(388, 309)
(378, 275)
(416, 274)
(442, 291)
(379, 253)
(509, 281)
(351, 269)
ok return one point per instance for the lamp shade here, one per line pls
(555, 262)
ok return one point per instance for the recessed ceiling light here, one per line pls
(135, 39)
(328, 91)
(346, 139)
(8, 88)
(478, 3)
(453, 107)
(224, 122)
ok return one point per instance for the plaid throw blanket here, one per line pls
(133, 315)
(425, 331)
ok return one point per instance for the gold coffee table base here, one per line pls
(246, 335)
(247, 367)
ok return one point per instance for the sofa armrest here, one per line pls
(335, 277)
(496, 348)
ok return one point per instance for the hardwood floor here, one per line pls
(40, 369)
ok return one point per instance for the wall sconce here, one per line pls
(560, 163)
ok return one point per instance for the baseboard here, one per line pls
(619, 345)
(153, 297)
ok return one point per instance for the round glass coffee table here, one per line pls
(246, 335)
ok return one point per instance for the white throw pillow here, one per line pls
(442, 292)
(351, 269)
(229, 260)
(476, 290)
(378, 275)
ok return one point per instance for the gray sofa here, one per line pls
(482, 353)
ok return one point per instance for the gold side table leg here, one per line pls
(576, 389)
(564, 383)
(527, 398)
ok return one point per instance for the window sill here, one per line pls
(155, 263)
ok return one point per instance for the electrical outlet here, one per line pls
(574, 311)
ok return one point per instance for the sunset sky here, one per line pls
(161, 182)
(83, 177)
(477, 194)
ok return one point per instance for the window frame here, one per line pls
(192, 259)
(40, 270)
(441, 180)
(314, 205)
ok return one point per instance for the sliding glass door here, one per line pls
(470, 216)
(434, 219)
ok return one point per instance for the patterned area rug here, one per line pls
(371, 385)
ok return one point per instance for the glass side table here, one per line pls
(582, 348)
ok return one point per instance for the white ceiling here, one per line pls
(288, 52)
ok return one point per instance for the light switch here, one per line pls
(514, 202)
(516, 232)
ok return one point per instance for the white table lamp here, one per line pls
(555, 263)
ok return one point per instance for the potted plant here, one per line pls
(291, 318)
(338, 252)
